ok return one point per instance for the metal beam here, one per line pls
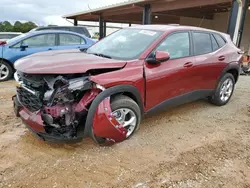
(146, 19)
(104, 28)
(242, 22)
(75, 22)
(101, 27)
(234, 19)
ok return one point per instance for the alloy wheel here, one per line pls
(226, 89)
(127, 118)
(4, 71)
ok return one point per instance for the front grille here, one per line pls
(29, 100)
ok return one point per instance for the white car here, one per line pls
(8, 35)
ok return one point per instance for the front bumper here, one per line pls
(102, 124)
(34, 123)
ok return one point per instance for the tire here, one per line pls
(5, 68)
(222, 99)
(123, 102)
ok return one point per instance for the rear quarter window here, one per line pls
(221, 41)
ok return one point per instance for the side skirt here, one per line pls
(179, 100)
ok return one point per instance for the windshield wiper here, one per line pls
(102, 55)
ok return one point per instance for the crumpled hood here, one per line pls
(64, 62)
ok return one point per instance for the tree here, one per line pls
(18, 26)
(27, 26)
(7, 27)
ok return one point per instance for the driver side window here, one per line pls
(177, 45)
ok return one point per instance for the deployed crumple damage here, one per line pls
(106, 126)
(58, 106)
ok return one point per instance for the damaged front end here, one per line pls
(56, 107)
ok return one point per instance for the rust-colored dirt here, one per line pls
(197, 145)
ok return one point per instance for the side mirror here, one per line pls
(162, 56)
(159, 57)
(24, 46)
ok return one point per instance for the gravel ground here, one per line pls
(196, 145)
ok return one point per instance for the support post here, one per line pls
(242, 22)
(146, 19)
(104, 28)
(234, 20)
(100, 27)
(129, 25)
(75, 22)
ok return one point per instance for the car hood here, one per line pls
(64, 62)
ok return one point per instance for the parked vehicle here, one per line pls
(8, 35)
(105, 91)
(77, 29)
(33, 42)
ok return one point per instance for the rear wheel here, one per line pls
(6, 71)
(224, 90)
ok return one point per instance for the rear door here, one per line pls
(71, 41)
(174, 77)
(210, 58)
(35, 44)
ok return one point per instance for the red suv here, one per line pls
(103, 92)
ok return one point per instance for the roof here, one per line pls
(51, 31)
(163, 11)
(55, 26)
(172, 27)
(129, 2)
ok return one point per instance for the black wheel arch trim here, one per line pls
(231, 66)
(107, 93)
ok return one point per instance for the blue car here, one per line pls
(37, 41)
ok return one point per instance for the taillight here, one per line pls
(2, 43)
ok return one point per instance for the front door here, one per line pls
(174, 77)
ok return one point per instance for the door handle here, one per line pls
(188, 64)
(221, 58)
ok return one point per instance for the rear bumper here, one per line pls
(34, 123)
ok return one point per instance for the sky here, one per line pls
(45, 12)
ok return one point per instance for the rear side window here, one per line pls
(220, 40)
(214, 43)
(68, 39)
(202, 43)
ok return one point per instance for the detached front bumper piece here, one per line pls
(34, 123)
(106, 126)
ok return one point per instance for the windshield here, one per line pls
(125, 44)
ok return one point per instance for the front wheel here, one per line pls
(6, 71)
(224, 90)
(127, 113)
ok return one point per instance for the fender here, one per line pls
(107, 93)
(231, 66)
